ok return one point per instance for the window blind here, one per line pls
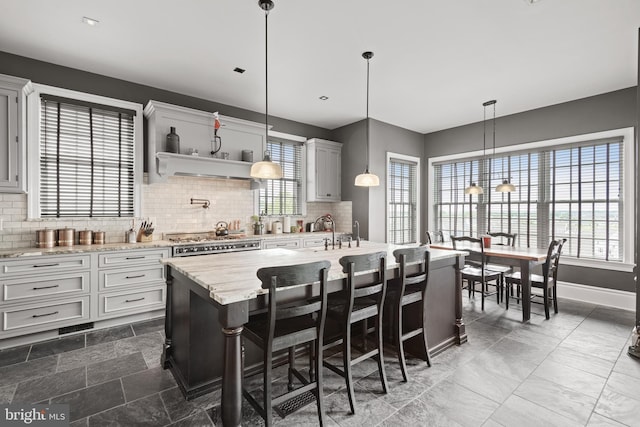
(572, 191)
(402, 203)
(284, 196)
(86, 160)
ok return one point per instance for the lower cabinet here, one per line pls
(281, 243)
(45, 293)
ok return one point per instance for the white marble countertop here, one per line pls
(231, 277)
(77, 249)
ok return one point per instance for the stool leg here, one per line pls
(312, 364)
(292, 366)
(399, 343)
(346, 363)
(383, 374)
(266, 381)
(316, 347)
(424, 329)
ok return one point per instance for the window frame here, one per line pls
(628, 190)
(293, 139)
(411, 159)
(33, 145)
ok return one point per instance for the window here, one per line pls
(284, 196)
(84, 162)
(573, 190)
(402, 198)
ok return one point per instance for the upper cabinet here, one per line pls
(195, 129)
(13, 91)
(324, 163)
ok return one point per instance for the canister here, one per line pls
(45, 238)
(66, 236)
(99, 238)
(247, 156)
(85, 237)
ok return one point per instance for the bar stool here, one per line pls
(410, 289)
(286, 325)
(360, 301)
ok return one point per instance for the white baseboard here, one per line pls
(595, 295)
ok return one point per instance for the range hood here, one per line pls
(195, 129)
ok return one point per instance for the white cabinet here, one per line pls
(12, 133)
(281, 243)
(324, 163)
(44, 293)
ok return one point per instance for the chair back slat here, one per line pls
(406, 256)
(297, 310)
(353, 264)
(362, 262)
(292, 275)
(509, 237)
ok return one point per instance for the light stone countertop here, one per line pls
(78, 249)
(231, 277)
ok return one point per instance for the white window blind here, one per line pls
(284, 196)
(86, 159)
(402, 201)
(571, 191)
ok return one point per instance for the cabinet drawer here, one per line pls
(113, 279)
(45, 265)
(46, 316)
(33, 288)
(289, 244)
(310, 243)
(127, 258)
(137, 301)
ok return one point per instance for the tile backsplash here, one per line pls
(168, 205)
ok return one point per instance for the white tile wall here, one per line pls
(168, 206)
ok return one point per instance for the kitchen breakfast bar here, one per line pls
(210, 298)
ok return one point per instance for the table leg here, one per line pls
(232, 377)
(525, 283)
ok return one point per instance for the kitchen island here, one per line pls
(210, 298)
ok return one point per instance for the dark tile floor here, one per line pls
(570, 370)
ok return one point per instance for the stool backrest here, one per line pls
(434, 237)
(509, 237)
(406, 256)
(310, 275)
(375, 262)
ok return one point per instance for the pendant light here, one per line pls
(266, 169)
(506, 186)
(367, 179)
(473, 188)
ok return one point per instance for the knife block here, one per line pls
(143, 238)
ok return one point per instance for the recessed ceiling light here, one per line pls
(239, 70)
(90, 21)
(323, 98)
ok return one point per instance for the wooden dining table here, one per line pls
(524, 258)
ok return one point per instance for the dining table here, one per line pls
(524, 258)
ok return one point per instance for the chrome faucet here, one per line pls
(356, 224)
(324, 218)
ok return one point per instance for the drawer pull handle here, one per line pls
(134, 300)
(46, 265)
(46, 287)
(46, 314)
(135, 257)
(135, 277)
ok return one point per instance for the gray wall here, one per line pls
(71, 78)
(369, 205)
(597, 113)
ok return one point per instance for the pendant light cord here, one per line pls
(266, 78)
(368, 144)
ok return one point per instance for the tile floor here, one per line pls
(570, 370)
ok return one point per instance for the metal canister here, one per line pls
(99, 238)
(45, 238)
(247, 156)
(85, 237)
(66, 236)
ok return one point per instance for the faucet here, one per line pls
(356, 224)
(333, 228)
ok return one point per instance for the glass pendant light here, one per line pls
(474, 188)
(266, 169)
(367, 179)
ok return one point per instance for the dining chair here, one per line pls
(409, 289)
(480, 272)
(506, 239)
(362, 299)
(432, 237)
(547, 282)
(285, 325)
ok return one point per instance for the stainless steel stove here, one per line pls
(205, 243)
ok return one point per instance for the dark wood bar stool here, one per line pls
(286, 325)
(547, 282)
(409, 289)
(362, 299)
